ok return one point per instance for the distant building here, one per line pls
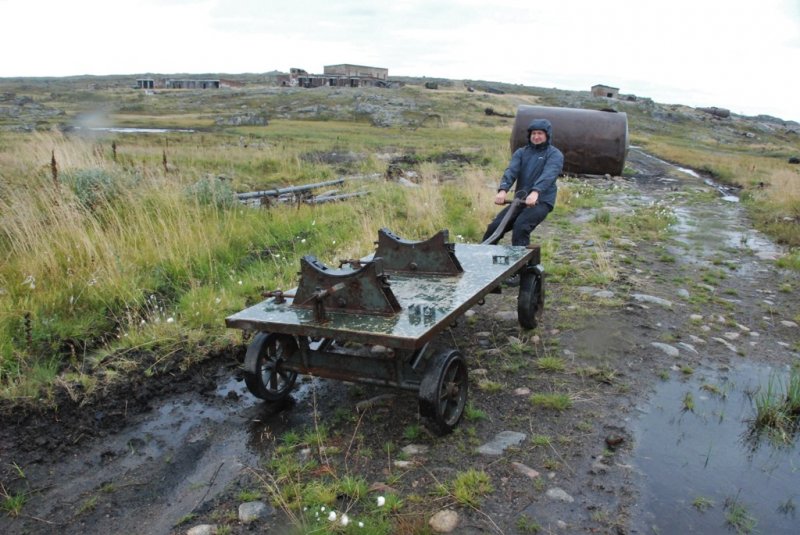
(343, 75)
(150, 83)
(191, 84)
(607, 91)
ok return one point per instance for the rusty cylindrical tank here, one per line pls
(593, 142)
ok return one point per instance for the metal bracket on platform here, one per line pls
(434, 256)
(365, 290)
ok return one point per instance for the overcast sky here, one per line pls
(743, 55)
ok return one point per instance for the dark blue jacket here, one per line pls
(535, 167)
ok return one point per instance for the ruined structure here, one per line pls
(607, 91)
(342, 75)
(169, 83)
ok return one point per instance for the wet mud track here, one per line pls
(183, 460)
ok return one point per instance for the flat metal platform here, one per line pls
(430, 303)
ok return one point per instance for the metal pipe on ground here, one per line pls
(593, 142)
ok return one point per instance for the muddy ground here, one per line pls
(170, 453)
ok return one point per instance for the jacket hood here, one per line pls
(541, 124)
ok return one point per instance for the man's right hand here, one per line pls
(500, 198)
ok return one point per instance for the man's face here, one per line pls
(538, 137)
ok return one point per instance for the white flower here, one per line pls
(332, 516)
(217, 300)
(381, 501)
(344, 520)
(303, 240)
(334, 242)
(361, 524)
(170, 320)
(240, 283)
(322, 508)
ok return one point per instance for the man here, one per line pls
(535, 168)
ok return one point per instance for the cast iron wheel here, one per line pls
(530, 301)
(443, 391)
(263, 366)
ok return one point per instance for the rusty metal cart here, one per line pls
(400, 298)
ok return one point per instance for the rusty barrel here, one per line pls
(593, 142)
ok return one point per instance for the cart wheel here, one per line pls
(443, 391)
(263, 366)
(530, 302)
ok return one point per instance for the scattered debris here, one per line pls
(297, 194)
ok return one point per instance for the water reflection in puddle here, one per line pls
(688, 457)
(713, 229)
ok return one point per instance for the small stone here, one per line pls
(787, 323)
(403, 464)
(251, 511)
(666, 348)
(483, 334)
(743, 328)
(494, 352)
(469, 313)
(731, 335)
(784, 344)
(653, 300)
(604, 294)
(203, 529)
(614, 441)
(754, 334)
(526, 470)
(444, 521)
(561, 524)
(705, 328)
(522, 391)
(687, 347)
(506, 315)
(726, 344)
(558, 494)
(501, 442)
(683, 292)
(415, 449)
(696, 318)
(696, 339)
(535, 339)
(479, 372)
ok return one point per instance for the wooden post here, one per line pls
(54, 167)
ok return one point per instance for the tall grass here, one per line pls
(134, 256)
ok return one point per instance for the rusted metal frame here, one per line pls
(395, 368)
(432, 256)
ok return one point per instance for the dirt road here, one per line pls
(684, 314)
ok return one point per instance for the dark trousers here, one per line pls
(521, 225)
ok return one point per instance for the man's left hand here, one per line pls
(532, 198)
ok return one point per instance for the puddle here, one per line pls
(713, 229)
(688, 172)
(707, 454)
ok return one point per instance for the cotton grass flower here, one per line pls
(332, 516)
(381, 501)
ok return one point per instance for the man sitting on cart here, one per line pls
(535, 168)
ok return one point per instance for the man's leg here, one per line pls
(528, 220)
(496, 223)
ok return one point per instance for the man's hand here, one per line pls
(500, 198)
(532, 198)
